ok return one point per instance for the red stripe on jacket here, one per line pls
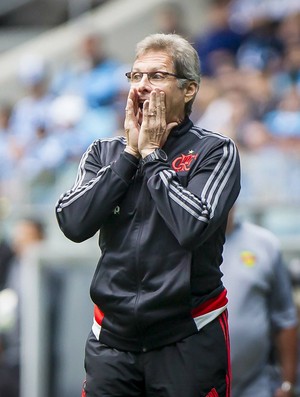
(98, 314)
(206, 307)
(212, 304)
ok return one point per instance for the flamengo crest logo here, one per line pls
(183, 162)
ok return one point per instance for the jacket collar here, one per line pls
(182, 128)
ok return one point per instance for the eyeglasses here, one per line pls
(153, 77)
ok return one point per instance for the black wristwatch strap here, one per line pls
(157, 154)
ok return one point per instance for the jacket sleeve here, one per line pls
(195, 211)
(97, 190)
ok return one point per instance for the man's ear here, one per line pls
(190, 91)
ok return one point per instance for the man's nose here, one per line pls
(144, 83)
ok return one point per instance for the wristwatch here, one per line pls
(157, 154)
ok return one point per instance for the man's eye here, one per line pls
(136, 76)
(157, 76)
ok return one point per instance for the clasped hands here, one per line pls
(145, 123)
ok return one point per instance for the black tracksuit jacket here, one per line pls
(162, 228)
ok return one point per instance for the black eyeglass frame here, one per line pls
(128, 75)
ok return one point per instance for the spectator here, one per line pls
(284, 121)
(8, 147)
(288, 77)
(254, 137)
(262, 49)
(209, 92)
(257, 86)
(32, 109)
(289, 28)
(234, 111)
(170, 19)
(91, 75)
(262, 314)
(93, 78)
(220, 40)
(245, 12)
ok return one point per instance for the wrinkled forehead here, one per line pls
(154, 60)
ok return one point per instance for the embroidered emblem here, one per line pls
(183, 162)
(248, 258)
(117, 210)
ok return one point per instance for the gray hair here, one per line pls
(185, 58)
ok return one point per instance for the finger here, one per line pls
(153, 104)
(130, 117)
(162, 105)
(146, 110)
(133, 96)
(158, 105)
(129, 107)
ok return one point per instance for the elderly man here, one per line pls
(160, 197)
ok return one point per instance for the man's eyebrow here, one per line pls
(162, 69)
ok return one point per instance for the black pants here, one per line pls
(197, 366)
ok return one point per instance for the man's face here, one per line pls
(153, 61)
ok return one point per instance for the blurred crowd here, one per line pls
(250, 90)
(56, 119)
